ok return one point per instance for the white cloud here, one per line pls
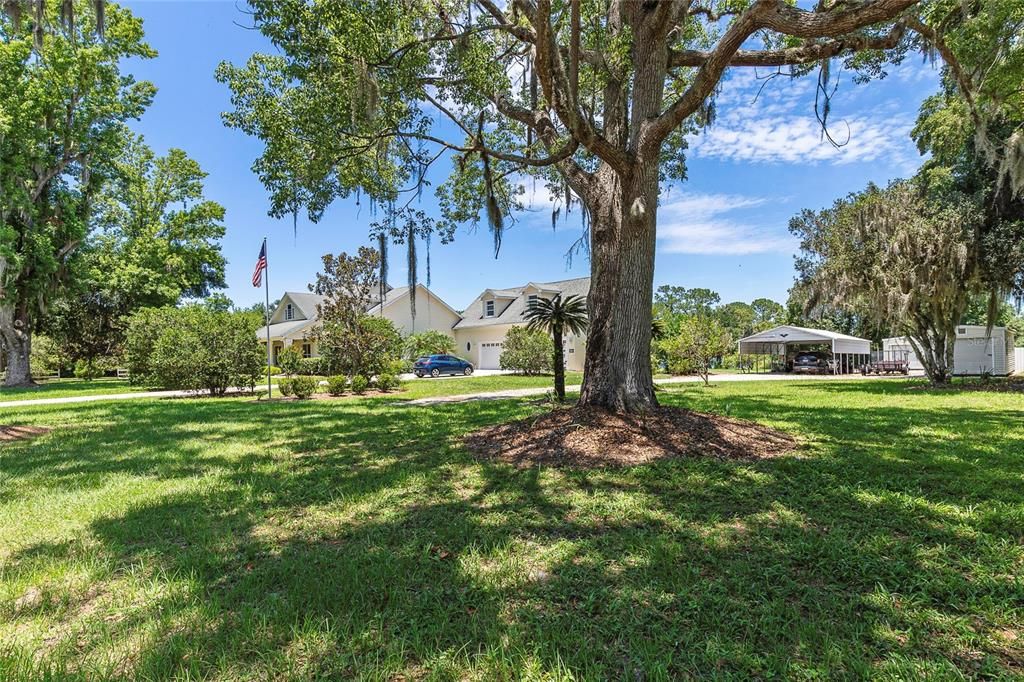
(704, 224)
(772, 121)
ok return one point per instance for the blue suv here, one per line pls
(436, 365)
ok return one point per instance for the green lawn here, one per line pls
(63, 388)
(229, 539)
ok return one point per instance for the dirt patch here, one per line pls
(9, 433)
(588, 437)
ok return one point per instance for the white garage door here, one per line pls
(490, 355)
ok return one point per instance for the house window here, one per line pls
(289, 312)
(531, 299)
(489, 309)
(307, 350)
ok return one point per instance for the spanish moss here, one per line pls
(411, 251)
(382, 246)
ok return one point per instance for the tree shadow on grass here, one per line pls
(361, 540)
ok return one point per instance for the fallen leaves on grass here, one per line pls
(591, 437)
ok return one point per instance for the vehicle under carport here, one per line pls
(775, 348)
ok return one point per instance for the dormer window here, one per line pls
(289, 312)
(531, 299)
(489, 308)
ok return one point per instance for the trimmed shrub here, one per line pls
(284, 385)
(337, 385)
(526, 352)
(275, 370)
(289, 360)
(387, 382)
(304, 387)
(309, 367)
(360, 384)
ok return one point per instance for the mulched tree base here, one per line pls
(592, 437)
(9, 433)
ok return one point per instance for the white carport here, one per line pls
(848, 353)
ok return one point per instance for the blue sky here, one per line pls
(725, 228)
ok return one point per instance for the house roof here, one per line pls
(308, 305)
(283, 329)
(398, 293)
(307, 302)
(473, 315)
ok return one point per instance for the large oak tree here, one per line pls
(63, 104)
(596, 97)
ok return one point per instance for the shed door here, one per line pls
(490, 354)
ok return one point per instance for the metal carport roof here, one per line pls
(783, 335)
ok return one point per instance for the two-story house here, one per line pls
(480, 334)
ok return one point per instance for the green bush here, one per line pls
(289, 360)
(309, 367)
(526, 352)
(193, 348)
(360, 384)
(46, 356)
(284, 385)
(430, 342)
(304, 387)
(387, 382)
(88, 369)
(337, 385)
(275, 370)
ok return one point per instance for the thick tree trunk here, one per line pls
(934, 347)
(617, 374)
(16, 335)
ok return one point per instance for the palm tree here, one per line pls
(555, 317)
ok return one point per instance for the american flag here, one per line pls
(261, 265)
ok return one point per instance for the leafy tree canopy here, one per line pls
(64, 101)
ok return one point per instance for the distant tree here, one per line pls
(193, 348)
(556, 316)
(737, 318)
(699, 341)
(526, 351)
(767, 314)
(368, 347)
(154, 239)
(218, 303)
(64, 102)
(673, 300)
(350, 341)
(429, 342)
(350, 284)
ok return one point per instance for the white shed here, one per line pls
(975, 352)
(848, 352)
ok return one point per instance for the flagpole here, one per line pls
(266, 315)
